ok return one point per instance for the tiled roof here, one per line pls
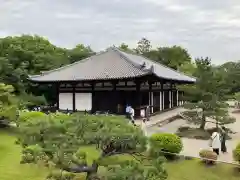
(111, 64)
(159, 70)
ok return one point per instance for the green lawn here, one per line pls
(195, 170)
(10, 169)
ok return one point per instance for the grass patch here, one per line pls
(11, 169)
(194, 169)
(10, 155)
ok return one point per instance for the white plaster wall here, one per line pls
(65, 101)
(83, 101)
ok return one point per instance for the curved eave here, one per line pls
(32, 79)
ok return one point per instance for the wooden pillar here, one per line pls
(138, 100)
(170, 98)
(93, 96)
(74, 97)
(180, 98)
(160, 95)
(183, 102)
(115, 106)
(150, 96)
(57, 95)
(172, 95)
(162, 92)
(177, 98)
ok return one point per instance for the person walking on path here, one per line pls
(143, 127)
(148, 113)
(215, 142)
(223, 139)
(132, 113)
(128, 111)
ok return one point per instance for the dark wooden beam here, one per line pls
(74, 97)
(93, 96)
(162, 94)
(171, 89)
(57, 94)
(138, 100)
(150, 92)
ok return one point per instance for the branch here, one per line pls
(81, 169)
(219, 123)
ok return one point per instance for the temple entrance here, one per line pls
(156, 101)
(166, 99)
(116, 101)
(174, 98)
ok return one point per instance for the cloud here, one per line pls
(205, 28)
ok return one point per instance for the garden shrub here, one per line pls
(207, 156)
(32, 154)
(190, 114)
(236, 153)
(26, 116)
(165, 142)
(60, 175)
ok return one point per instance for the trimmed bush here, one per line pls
(33, 153)
(58, 175)
(236, 153)
(207, 156)
(26, 116)
(166, 142)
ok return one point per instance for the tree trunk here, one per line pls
(203, 122)
(93, 173)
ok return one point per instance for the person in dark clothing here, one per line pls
(148, 113)
(223, 140)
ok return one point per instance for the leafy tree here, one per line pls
(23, 55)
(29, 100)
(80, 52)
(205, 97)
(188, 68)
(230, 71)
(237, 97)
(133, 170)
(26, 54)
(173, 57)
(143, 46)
(125, 47)
(60, 140)
(8, 105)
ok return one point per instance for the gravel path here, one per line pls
(193, 146)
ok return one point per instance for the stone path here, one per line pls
(193, 146)
(157, 119)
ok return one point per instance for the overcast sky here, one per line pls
(204, 27)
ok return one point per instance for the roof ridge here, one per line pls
(159, 64)
(68, 65)
(129, 60)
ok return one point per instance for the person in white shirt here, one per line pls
(215, 142)
(128, 111)
(131, 112)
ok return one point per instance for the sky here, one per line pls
(204, 27)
